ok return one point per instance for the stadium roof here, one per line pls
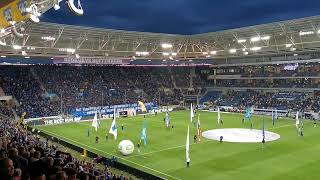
(60, 40)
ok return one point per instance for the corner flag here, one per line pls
(113, 128)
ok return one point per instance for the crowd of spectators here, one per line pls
(19, 83)
(283, 70)
(267, 83)
(24, 155)
(51, 90)
(268, 100)
(181, 76)
(5, 109)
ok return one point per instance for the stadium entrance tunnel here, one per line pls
(240, 135)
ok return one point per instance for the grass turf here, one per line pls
(290, 157)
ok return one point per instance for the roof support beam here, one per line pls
(60, 31)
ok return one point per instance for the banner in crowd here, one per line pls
(105, 110)
(91, 60)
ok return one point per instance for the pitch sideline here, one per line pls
(112, 155)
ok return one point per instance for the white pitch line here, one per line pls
(176, 147)
(278, 127)
(113, 155)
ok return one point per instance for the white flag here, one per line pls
(187, 147)
(113, 129)
(95, 122)
(191, 113)
(167, 119)
(297, 121)
(219, 117)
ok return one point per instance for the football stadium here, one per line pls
(82, 102)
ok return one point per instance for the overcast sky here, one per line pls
(182, 16)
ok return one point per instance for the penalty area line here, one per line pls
(57, 135)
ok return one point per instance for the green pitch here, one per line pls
(290, 157)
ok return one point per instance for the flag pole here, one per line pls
(263, 133)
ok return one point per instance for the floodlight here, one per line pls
(166, 45)
(293, 49)
(288, 45)
(213, 52)
(304, 33)
(142, 53)
(265, 37)
(255, 39)
(242, 40)
(70, 50)
(174, 54)
(255, 48)
(48, 38)
(165, 54)
(31, 48)
(3, 56)
(16, 47)
(232, 50)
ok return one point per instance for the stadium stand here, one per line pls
(24, 155)
(51, 90)
(210, 96)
